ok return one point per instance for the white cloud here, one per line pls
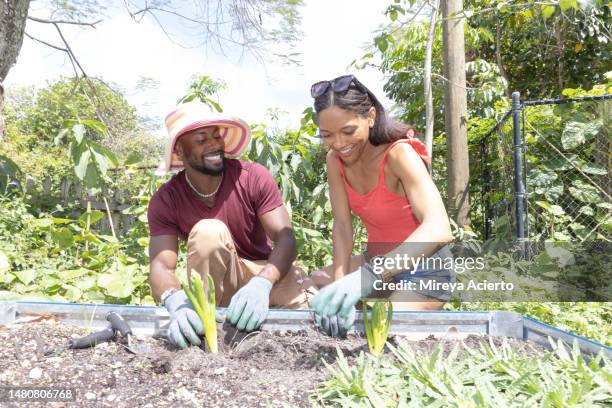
(122, 51)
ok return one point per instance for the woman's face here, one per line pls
(346, 132)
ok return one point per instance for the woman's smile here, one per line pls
(346, 151)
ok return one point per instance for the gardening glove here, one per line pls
(185, 325)
(335, 325)
(249, 306)
(342, 295)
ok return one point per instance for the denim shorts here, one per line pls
(430, 279)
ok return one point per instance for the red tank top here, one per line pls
(387, 216)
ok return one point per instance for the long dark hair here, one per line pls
(359, 101)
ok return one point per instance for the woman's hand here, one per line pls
(336, 326)
(342, 295)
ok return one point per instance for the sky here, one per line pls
(122, 52)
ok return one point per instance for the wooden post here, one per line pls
(455, 111)
(429, 112)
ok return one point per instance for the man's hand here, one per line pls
(185, 325)
(335, 325)
(249, 306)
(341, 296)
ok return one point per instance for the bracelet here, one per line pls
(167, 293)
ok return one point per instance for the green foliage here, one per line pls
(201, 87)
(46, 113)
(34, 120)
(402, 50)
(353, 386)
(544, 47)
(10, 174)
(90, 159)
(60, 259)
(377, 326)
(74, 10)
(567, 168)
(297, 161)
(592, 320)
(493, 376)
(204, 305)
(42, 167)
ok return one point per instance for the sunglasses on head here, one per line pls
(340, 84)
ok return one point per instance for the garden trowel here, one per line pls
(119, 324)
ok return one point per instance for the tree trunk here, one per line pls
(498, 57)
(13, 14)
(560, 51)
(429, 112)
(1, 112)
(455, 112)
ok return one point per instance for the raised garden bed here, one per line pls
(262, 369)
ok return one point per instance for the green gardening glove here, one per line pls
(336, 326)
(342, 295)
(249, 306)
(185, 327)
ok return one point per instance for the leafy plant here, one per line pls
(202, 88)
(377, 327)
(589, 319)
(10, 173)
(44, 112)
(204, 305)
(491, 376)
(91, 160)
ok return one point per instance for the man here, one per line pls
(229, 211)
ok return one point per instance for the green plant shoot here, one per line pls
(377, 327)
(205, 306)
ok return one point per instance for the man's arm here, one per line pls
(277, 225)
(185, 326)
(163, 252)
(249, 306)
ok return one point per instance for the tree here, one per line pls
(13, 14)
(429, 114)
(249, 24)
(543, 47)
(46, 113)
(402, 47)
(496, 51)
(455, 112)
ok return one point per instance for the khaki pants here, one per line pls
(211, 249)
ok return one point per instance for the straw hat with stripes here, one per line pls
(193, 115)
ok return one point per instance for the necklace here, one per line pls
(200, 194)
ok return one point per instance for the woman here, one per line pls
(377, 169)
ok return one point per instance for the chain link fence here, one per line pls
(568, 161)
(494, 166)
(549, 162)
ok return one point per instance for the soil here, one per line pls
(257, 370)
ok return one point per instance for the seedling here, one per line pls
(377, 328)
(204, 306)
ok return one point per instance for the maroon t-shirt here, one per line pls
(247, 191)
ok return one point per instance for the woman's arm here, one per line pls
(426, 203)
(342, 231)
(434, 231)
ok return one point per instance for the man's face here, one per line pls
(202, 149)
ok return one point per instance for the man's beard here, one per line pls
(208, 170)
